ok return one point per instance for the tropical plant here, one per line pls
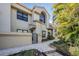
(67, 22)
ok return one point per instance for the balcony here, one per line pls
(32, 26)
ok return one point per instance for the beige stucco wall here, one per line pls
(39, 10)
(39, 25)
(39, 38)
(18, 24)
(13, 20)
(5, 17)
(35, 16)
(44, 28)
(10, 40)
(39, 28)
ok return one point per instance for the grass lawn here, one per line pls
(32, 52)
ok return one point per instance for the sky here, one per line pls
(47, 6)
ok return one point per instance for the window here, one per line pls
(19, 30)
(22, 16)
(42, 17)
(25, 31)
(25, 17)
(22, 30)
(43, 33)
(19, 15)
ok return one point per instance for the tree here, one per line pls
(67, 22)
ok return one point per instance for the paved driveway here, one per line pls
(43, 47)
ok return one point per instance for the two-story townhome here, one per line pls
(16, 17)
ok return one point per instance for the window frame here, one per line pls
(23, 16)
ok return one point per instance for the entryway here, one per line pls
(34, 38)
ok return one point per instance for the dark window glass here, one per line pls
(19, 15)
(25, 17)
(22, 16)
(42, 18)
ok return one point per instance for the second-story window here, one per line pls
(42, 17)
(25, 17)
(22, 16)
(19, 15)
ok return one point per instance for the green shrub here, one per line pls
(67, 24)
(31, 52)
(50, 37)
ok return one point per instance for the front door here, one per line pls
(34, 38)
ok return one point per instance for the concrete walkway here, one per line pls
(43, 47)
